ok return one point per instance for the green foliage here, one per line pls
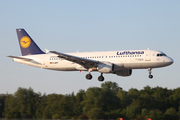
(111, 86)
(83, 116)
(107, 102)
(144, 112)
(178, 113)
(171, 114)
(123, 98)
(101, 99)
(130, 112)
(78, 107)
(95, 113)
(21, 104)
(56, 116)
(155, 114)
(2, 105)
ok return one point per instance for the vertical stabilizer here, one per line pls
(27, 45)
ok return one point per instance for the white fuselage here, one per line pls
(128, 59)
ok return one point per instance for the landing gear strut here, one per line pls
(89, 76)
(150, 76)
(101, 78)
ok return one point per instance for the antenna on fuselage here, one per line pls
(147, 48)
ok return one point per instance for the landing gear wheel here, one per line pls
(101, 78)
(89, 76)
(150, 76)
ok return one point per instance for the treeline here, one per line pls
(107, 102)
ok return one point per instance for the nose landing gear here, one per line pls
(150, 76)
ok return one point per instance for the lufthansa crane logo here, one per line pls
(25, 42)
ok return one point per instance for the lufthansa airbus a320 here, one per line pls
(120, 63)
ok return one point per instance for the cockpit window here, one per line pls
(161, 54)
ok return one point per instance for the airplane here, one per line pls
(120, 63)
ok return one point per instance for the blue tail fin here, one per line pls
(27, 45)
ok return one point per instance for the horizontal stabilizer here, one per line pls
(24, 59)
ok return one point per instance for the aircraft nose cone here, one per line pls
(170, 61)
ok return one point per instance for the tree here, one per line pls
(174, 99)
(99, 98)
(133, 93)
(58, 106)
(2, 105)
(144, 112)
(123, 98)
(41, 102)
(11, 108)
(179, 112)
(130, 112)
(95, 113)
(21, 104)
(77, 105)
(107, 102)
(26, 102)
(155, 114)
(171, 114)
(113, 86)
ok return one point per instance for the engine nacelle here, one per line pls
(106, 67)
(126, 72)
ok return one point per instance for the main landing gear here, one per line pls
(150, 76)
(89, 76)
(100, 78)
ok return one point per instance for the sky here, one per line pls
(103, 25)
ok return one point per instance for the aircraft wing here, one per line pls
(86, 63)
(25, 59)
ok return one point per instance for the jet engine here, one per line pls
(106, 67)
(126, 72)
